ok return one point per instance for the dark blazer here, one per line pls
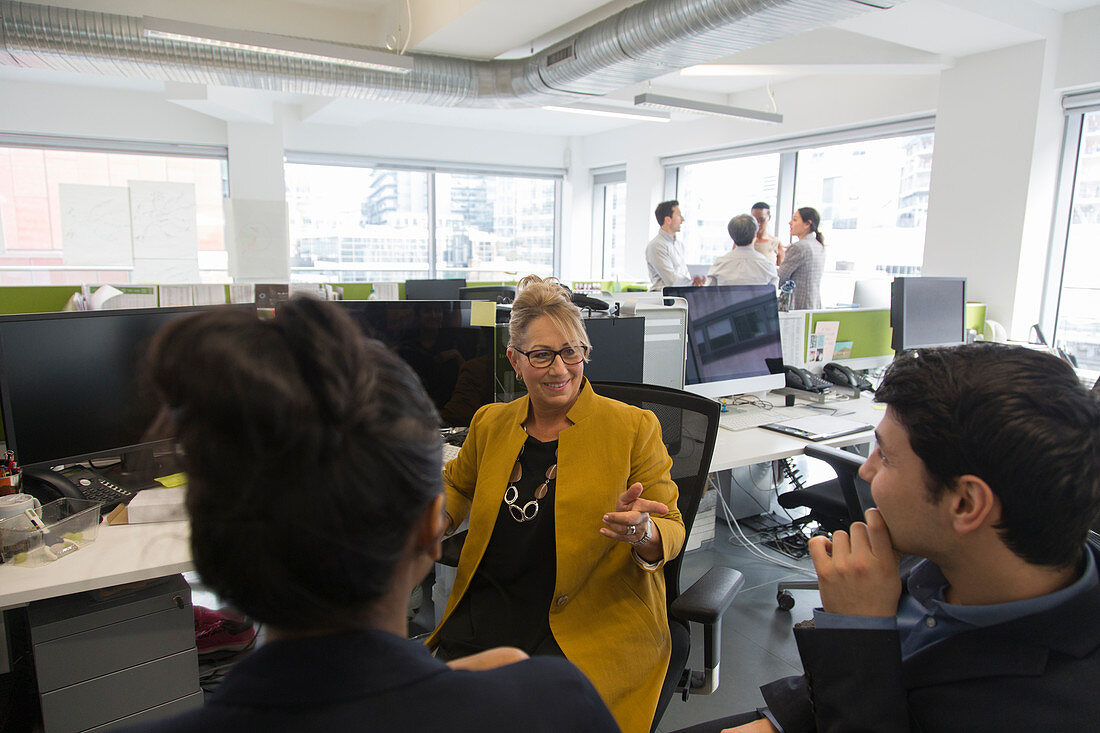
(372, 680)
(1041, 672)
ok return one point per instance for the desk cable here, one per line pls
(735, 528)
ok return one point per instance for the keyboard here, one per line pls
(450, 452)
(741, 417)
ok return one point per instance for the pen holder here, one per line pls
(69, 524)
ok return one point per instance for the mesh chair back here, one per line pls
(689, 428)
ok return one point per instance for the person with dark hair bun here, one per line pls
(316, 506)
(804, 262)
(572, 515)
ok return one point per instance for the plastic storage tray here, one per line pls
(70, 525)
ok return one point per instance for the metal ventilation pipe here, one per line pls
(649, 39)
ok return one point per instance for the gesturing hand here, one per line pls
(858, 571)
(631, 510)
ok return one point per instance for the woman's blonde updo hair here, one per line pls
(536, 298)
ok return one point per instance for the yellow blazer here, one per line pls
(608, 612)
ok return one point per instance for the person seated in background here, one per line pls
(572, 514)
(316, 506)
(987, 466)
(743, 265)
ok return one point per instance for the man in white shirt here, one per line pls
(743, 265)
(765, 243)
(665, 255)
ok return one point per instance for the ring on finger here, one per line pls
(633, 528)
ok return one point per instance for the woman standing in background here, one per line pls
(805, 259)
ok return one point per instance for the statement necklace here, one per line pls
(530, 510)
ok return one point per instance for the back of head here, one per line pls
(664, 210)
(311, 452)
(742, 229)
(1018, 419)
(537, 297)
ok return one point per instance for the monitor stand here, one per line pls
(139, 468)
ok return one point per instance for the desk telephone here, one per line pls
(74, 482)
(798, 378)
(845, 377)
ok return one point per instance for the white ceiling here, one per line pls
(915, 36)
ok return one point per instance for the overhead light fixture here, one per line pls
(677, 104)
(284, 46)
(600, 110)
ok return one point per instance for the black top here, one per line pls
(371, 680)
(508, 601)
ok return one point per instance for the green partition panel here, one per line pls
(35, 298)
(868, 330)
(358, 291)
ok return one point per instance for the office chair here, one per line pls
(496, 293)
(833, 504)
(689, 428)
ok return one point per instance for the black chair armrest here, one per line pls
(709, 597)
(840, 460)
(452, 548)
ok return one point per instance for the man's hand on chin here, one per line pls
(857, 571)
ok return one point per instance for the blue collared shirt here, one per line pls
(924, 618)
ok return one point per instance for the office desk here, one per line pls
(121, 554)
(737, 448)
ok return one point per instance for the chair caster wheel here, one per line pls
(785, 600)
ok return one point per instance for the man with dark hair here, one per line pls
(765, 243)
(743, 265)
(665, 255)
(988, 466)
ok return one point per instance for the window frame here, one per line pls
(431, 168)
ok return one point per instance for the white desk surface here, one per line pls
(121, 554)
(736, 448)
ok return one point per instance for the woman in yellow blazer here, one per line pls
(571, 512)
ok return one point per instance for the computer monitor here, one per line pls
(927, 311)
(72, 387)
(731, 331)
(871, 293)
(452, 358)
(447, 289)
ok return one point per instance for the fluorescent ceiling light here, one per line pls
(726, 70)
(677, 104)
(285, 46)
(609, 111)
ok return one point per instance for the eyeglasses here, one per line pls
(545, 357)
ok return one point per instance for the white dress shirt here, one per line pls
(744, 266)
(665, 258)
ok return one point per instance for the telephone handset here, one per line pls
(798, 378)
(74, 482)
(845, 377)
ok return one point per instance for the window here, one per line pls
(870, 187)
(83, 212)
(609, 216)
(873, 200)
(1077, 328)
(362, 223)
(494, 227)
(712, 193)
(352, 224)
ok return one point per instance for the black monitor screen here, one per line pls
(927, 311)
(731, 331)
(434, 289)
(71, 382)
(453, 358)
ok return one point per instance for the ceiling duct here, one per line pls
(646, 40)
